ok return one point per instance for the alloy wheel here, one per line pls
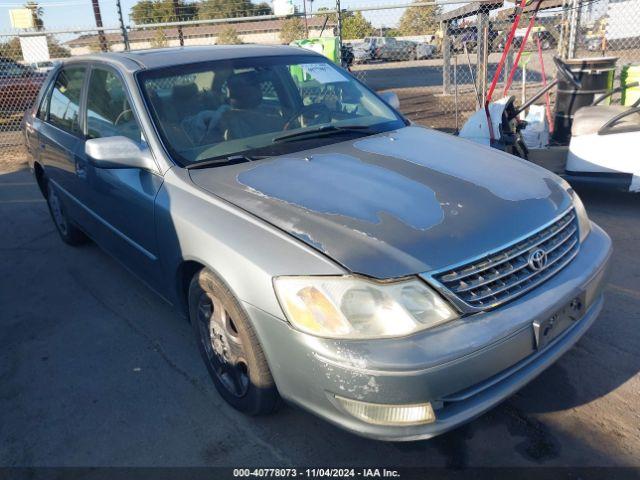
(223, 345)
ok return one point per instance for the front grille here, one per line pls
(501, 276)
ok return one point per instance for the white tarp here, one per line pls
(34, 48)
(536, 133)
(622, 21)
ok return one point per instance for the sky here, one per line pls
(61, 14)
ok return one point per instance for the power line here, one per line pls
(40, 4)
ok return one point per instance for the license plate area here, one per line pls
(544, 331)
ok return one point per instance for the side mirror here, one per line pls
(391, 99)
(118, 152)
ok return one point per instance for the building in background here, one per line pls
(261, 32)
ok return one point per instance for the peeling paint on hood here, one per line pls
(397, 203)
(343, 185)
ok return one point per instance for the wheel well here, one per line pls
(186, 271)
(40, 178)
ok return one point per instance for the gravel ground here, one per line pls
(95, 370)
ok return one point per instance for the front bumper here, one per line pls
(463, 368)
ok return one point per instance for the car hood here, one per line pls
(395, 204)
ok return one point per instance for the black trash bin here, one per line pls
(596, 76)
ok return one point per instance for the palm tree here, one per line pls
(36, 13)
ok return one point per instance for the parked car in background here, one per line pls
(19, 86)
(390, 49)
(42, 67)
(463, 35)
(424, 50)
(547, 40)
(469, 35)
(362, 52)
(392, 279)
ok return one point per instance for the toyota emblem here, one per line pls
(537, 259)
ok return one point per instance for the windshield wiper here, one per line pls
(223, 160)
(320, 131)
(310, 133)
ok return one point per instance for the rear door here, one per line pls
(33, 122)
(60, 136)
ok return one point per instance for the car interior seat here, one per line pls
(244, 119)
(185, 101)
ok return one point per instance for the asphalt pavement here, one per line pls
(95, 370)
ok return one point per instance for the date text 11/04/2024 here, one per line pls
(316, 472)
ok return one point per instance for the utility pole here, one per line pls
(574, 25)
(446, 58)
(306, 24)
(125, 35)
(339, 17)
(176, 12)
(482, 37)
(96, 13)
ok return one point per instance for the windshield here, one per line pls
(261, 106)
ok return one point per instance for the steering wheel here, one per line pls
(121, 116)
(566, 72)
(318, 111)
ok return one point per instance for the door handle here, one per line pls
(81, 168)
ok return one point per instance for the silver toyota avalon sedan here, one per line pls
(392, 279)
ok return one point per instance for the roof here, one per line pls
(165, 57)
(469, 9)
(507, 13)
(146, 35)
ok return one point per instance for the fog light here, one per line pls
(384, 414)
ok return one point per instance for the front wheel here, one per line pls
(229, 347)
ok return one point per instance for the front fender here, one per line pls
(244, 251)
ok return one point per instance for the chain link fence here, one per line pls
(438, 56)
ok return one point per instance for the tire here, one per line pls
(69, 233)
(229, 347)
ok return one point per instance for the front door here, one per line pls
(121, 201)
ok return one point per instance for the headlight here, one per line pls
(584, 225)
(351, 307)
